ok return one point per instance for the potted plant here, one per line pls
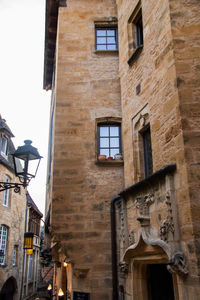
(101, 157)
(118, 156)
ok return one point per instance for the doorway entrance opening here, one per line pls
(159, 282)
(9, 289)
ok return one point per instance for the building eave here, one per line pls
(51, 20)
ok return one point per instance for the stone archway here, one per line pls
(148, 262)
(9, 289)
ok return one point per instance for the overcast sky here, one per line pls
(24, 103)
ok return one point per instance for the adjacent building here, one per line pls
(32, 269)
(12, 221)
(125, 83)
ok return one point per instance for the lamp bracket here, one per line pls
(10, 185)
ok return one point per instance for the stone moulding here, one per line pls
(177, 260)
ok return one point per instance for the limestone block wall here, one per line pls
(13, 217)
(167, 70)
(87, 87)
(186, 42)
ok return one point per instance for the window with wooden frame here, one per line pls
(109, 139)
(4, 146)
(106, 38)
(15, 255)
(135, 33)
(6, 194)
(3, 243)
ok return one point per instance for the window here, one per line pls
(30, 267)
(6, 193)
(109, 139)
(4, 146)
(106, 38)
(135, 33)
(15, 256)
(148, 162)
(139, 29)
(3, 243)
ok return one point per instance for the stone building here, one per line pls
(125, 79)
(32, 267)
(12, 221)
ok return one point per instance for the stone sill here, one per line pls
(106, 51)
(134, 56)
(110, 163)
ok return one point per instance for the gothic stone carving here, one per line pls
(123, 267)
(131, 238)
(122, 222)
(168, 224)
(143, 204)
(178, 264)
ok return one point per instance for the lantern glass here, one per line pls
(29, 251)
(60, 293)
(28, 240)
(26, 161)
(49, 287)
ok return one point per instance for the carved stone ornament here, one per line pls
(131, 238)
(80, 273)
(123, 266)
(143, 204)
(178, 264)
(168, 224)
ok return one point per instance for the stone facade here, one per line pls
(87, 90)
(157, 215)
(13, 218)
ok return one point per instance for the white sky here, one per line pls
(24, 103)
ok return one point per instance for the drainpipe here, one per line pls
(114, 248)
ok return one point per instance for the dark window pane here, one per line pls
(148, 162)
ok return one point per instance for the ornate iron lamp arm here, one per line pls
(10, 185)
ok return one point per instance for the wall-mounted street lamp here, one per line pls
(26, 161)
(28, 242)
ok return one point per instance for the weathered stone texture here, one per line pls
(87, 87)
(13, 217)
(168, 71)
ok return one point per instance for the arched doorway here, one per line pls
(9, 289)
(151, 279)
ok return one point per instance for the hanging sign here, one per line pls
(81, 296)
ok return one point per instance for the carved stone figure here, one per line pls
(178, 264)
(123, 266)
(168, 224)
